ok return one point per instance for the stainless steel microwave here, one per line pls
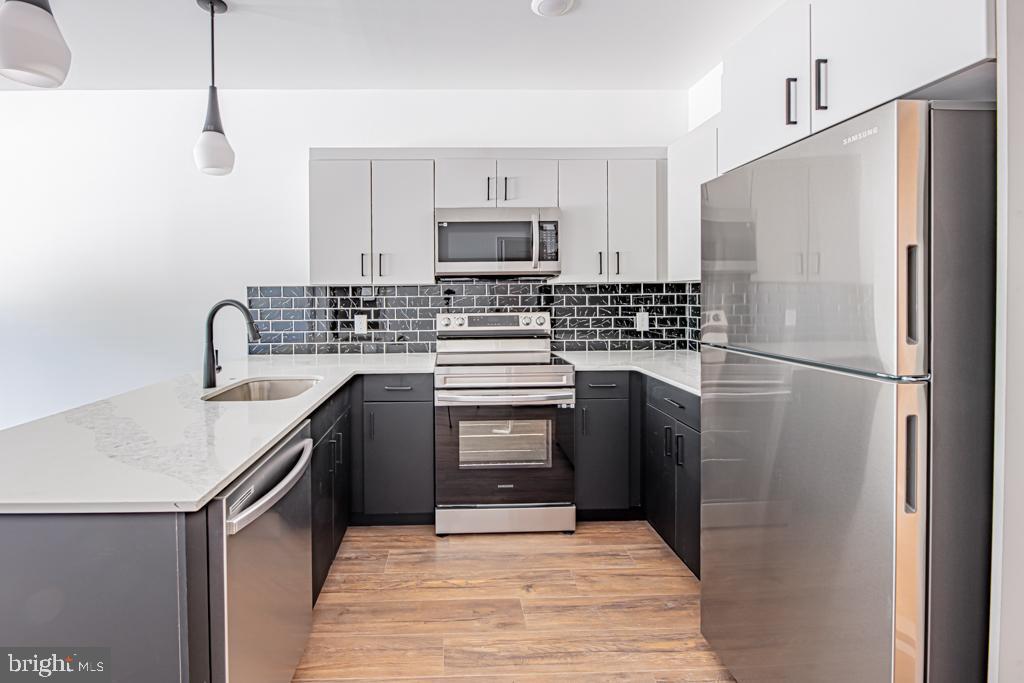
(496, 242)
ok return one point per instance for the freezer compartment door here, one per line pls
(811, 521)
(818, 252)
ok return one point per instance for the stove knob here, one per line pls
(526, 320)
(446, 322)
(460, 321)
(541, 319)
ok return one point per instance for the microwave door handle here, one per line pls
(536, 241)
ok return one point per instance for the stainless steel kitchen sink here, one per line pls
(263, 389)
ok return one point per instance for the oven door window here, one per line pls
(504, 444)
(481, 242)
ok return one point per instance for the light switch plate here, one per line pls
(360, 324)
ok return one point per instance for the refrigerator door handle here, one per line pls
(911, 531)
(912, 243)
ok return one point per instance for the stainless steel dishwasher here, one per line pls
(260, 566)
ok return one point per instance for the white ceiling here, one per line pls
(401, 44)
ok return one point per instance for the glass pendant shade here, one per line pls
(32, 48)
(213, 153)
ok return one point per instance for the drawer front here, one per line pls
(412, 387)
(602, 385)
(677, 403)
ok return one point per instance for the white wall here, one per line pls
(1007, 656)
(114, 246)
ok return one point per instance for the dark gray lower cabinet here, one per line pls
(330, 476)
(322, 488)
(687, 496)
(672, 469)
(342, 474)
(398, 458)
(602, 454)
(659, 473)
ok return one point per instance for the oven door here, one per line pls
(501, 448)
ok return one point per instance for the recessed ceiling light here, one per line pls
(551, 8)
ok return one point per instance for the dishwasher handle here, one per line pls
(250, 514)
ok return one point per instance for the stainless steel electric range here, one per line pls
(503, 426)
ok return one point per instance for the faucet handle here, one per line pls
(216, 360)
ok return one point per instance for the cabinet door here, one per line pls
(465, 183)
(602, 454)
(659, 474)
(779, 204)
(883, 50)
(687, 502)
(322, 485)
(530, 183)
(342, 498)
(766, 87)
(692, 160)
(583, 227)
(398, 458)
(339, 222)
(403, 222)
(633, 220)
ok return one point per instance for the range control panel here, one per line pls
(536, 321)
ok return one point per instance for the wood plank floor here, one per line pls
(610, 603)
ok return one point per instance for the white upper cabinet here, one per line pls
(633, 214)
(692, 161)
(766, 87)
(583, 227)
(530, 183)
(465, 183)
(403, 222)
(339, 222)
(481, 183)
(874, 51)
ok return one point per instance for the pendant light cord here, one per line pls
(213, 52)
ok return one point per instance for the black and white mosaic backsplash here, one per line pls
(594, 317)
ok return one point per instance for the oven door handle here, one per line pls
(536, 241)
(444, 398)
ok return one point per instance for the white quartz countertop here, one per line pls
(679, 368)
(161, 448)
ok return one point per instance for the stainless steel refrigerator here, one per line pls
(848, 293)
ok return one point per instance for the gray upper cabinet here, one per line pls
(482, 183)
(527, 183)
(403, 222)
(465, 183)
(583, 227)
(339, 221)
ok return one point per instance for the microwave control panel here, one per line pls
(548, 241)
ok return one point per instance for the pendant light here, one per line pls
(213, 154)
(32, 48)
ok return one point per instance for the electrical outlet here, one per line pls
(790, 317)
(360, 324)
(643, 321)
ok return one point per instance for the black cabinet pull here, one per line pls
(600, 263)
(362, 264)
(618, 263)
(790, 117)
(488, 188)
(334, 456)
(675, 404)
(584, 415)
(380, 264)
(397, 388)
(506, 188)
(602, 386)
(821, 84)
(668, 442)
(681, 450)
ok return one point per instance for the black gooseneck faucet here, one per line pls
(210, 368)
